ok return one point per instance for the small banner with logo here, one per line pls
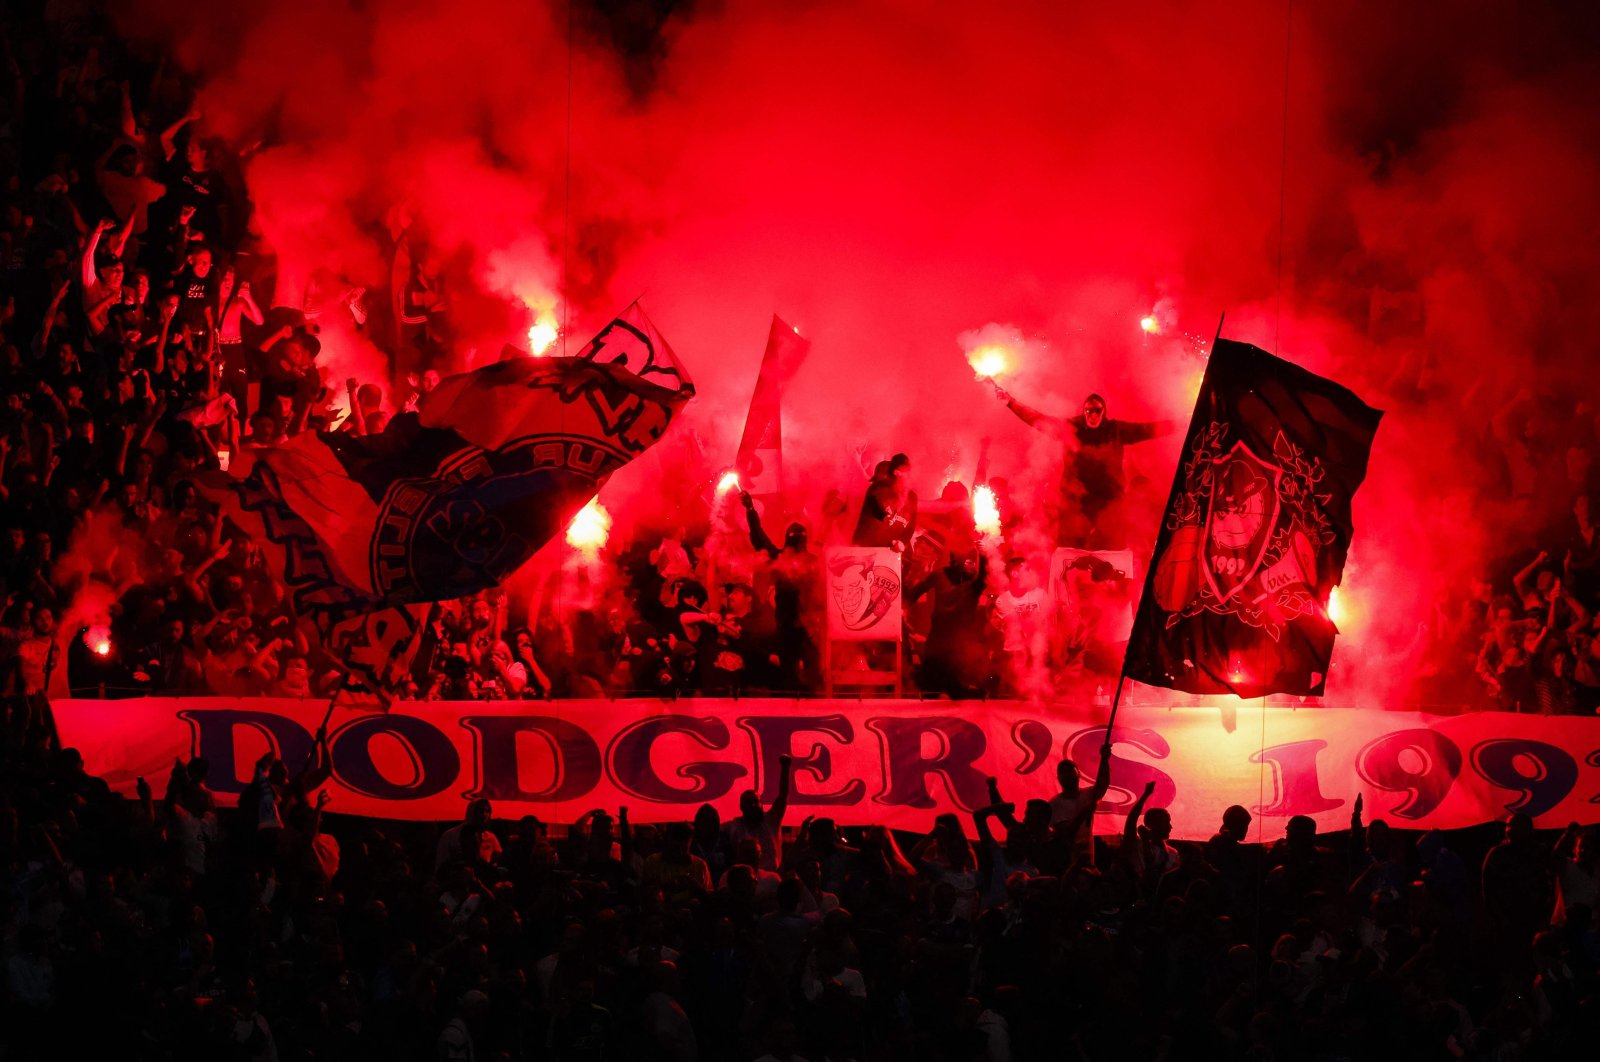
(1255, 532)
(864, 594)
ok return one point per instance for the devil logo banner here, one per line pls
(1255, 532)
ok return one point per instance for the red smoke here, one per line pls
(890, 175)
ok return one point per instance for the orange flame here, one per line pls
(98, 638)
(590, 528)
(985, 511)
(543, 334)
(989, 361)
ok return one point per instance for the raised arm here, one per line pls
(169, 135)
(759, 539)
(779, 806)
(1102, 777)
(1134, 431)
(986, 843)
(1567, 841)
(119, 236)
(502, 608)
(248, 306)
(1033, 418)
(86, 264)
(130, 129)
(1544, 631)
(1003, 809)
(42, 343)
(191, 578)
(1130, 825)
(267, 342)
(921, 587)
(1520, 580)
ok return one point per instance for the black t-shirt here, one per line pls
(195, 296)
(888, 515)
(130, 315)
(751, 638)
(188, 187)
(583, 1033)
(1096, 464)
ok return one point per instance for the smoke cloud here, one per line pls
(890, 175)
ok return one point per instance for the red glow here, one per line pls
(884, 209)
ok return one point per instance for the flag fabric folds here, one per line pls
(760, 459)
(455, 497)
(1255, 532)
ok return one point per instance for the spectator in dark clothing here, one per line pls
(797, 586)
(1092, 478)
(1518, 886)
(889, 510)
(955, 657)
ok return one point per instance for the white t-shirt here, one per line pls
(1065, 808)
(766, 884)
(449, 848)
(455, 1042)
(1021, 618)
(195, 837)
(849, 979)
(669, 1027)
(767, 834)
(1575, 886)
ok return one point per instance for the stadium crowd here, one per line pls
(141, 344)
(170, 927)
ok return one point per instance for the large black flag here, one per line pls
(1255, 532)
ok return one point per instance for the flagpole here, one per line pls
(1122, 675)
(326, 716)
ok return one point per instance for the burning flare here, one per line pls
(985, 511)
(543, 334)
(1150, 324)
(1337, 613)
(98, 638)
(988, 361)
(589, 529)
(729, 481)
